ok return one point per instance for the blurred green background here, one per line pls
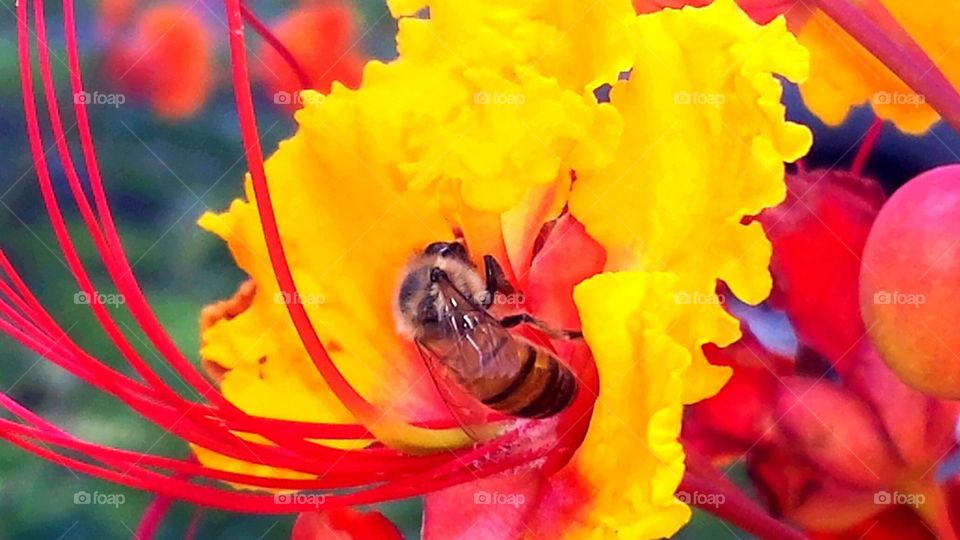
(160, 178)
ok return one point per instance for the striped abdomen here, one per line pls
(542, 387)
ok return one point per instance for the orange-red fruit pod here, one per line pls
(910, 282)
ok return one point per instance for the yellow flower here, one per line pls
(843, 74)
(478, 127)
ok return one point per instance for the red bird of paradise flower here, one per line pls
(608, 289)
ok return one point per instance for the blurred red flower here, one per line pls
(166, 58)
(833, 441)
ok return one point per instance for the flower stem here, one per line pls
(735, 507)
(878, 32)
(867, 146)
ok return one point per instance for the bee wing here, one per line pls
(483, 348)
(464, 408)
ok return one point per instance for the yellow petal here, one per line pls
(340, 238)
(843, 74)
(582, 45)
(626, 321)
(704, 145)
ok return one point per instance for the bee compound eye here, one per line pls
(456, 250)
(436, 248)
(447, 250)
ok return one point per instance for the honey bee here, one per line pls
(442, 305)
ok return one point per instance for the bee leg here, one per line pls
(525, 318)
(496, 279)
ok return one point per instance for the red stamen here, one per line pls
(194, 524)
(24, 318)
(302, 76)
(866, 147)
(354, 402)
(127, 284)
(153, 518)
(135, 300)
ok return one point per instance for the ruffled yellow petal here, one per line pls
(496, 97)
(477, 126)
(626, 320)
(582, 45)
(704, 145)
(843, 74)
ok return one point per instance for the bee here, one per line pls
(442, 305)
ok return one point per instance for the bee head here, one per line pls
(418, 299)
(447, 250)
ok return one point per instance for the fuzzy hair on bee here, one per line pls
(442, 306)
(419, 302)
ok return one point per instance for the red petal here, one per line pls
(494, 507)
(803, 494)
(836, 430)
(897, 523)
(568, 256)
(730, 423)
(921, 427)
(818, 234)
(344, 524)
